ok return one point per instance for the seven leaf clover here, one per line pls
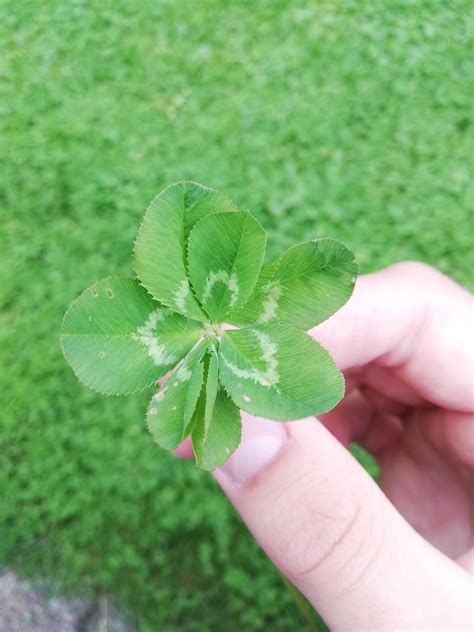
(198, 261)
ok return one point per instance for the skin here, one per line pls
(398, 556)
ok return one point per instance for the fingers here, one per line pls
(428, 477)
(413, 319)
(185, 450)
(452, 433)
(328, 527)
(368, 418)
(467, 561)
(382, 380)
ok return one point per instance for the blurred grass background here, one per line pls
(347, 119)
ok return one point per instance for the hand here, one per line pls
(403, 342)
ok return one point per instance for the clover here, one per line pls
(230, 333)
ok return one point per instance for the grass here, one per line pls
(347, 119)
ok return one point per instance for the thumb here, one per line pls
(327, 526)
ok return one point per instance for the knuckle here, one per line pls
(328, 530)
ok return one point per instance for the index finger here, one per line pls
(415, 321)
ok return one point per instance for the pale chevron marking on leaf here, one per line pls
(145, 335)
(229, 279)
(183, 373)
(269, 350)
(181, 295)
(149, 325)
(270, 304)
(270, 376)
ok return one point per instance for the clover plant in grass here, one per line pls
(230, 333)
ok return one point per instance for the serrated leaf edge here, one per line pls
(277, 262)
(62, 335)
(169, 186)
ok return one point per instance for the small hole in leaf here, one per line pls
(102, 354)
(109, 293)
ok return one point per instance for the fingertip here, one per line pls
(262, 440)
(185, 450)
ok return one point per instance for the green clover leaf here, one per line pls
(279, 372)
(198, 260)
(225, 254)
(160, 247)
(306, 285)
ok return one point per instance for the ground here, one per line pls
(346, 119)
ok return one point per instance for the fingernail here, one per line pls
(262, 440)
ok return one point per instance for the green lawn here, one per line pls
(348, 119)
